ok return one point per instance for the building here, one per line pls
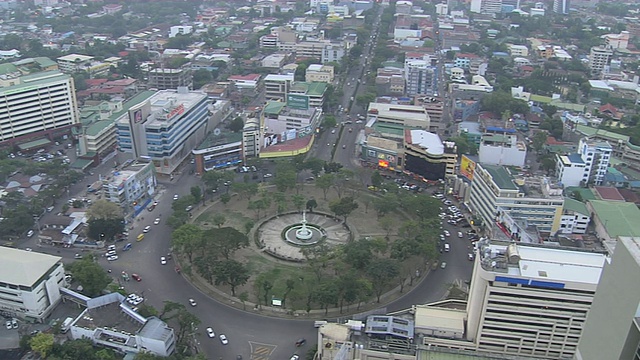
(166, 125)
(180, 30)
(276, 87)
(306, 95)
(409, 116)
(164, 78)
(385, 153)
(30, 283)
(325, 50)
(319, 73)
(132, 186)
(617, 41)
(599, 58)
(38, 105)
(464, 110)
(219, 150)
(98, 137)
(251, 138)
(249, 83)
(536, 200)
(561, 6)
(110, 322)
(612, 219)
(420, 78)
(518, 50)
(570, 170)
(282, 122)
(502, 149)
(274, 61)
(530, 301)
(442, 9)
(428, 156)
(596, 156)
(72, 63)
(612, 329)
(486, 6)
(575, 217)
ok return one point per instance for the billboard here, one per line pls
(467, 167)
(298, 101)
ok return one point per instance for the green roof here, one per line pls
(389, 129)
(39, 78)
(585, 193)
(140, 97)
(316, 88)
(540, 98)
(576, 206)
(618, 218)
(98, 126)
(82, 164)
(7, 68)
(274, 107)
(568, 106)
(558, 149)
(591, 131)
(223, 138)
(34, 144)
(501, 176)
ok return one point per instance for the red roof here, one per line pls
(464, 55)
(249, 77)
(95, 82)
(526, 68)
(291, 145)
(608, 107)
(609, 193)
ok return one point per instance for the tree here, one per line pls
(201, 77)
(382, 272)
(290, 284)
(314, 165)
(231, 272)
(104, 210)
(244, 297)
(539, 139)
(358, 253)
(42, 343)
(326, 294)
(463, 146)
(225, 198)
(285, 180)
(90, 275)
(324, 182)
(298, 201)
(219, 220)
(225, 241)
(103, 229)
(248, 225)
(311, 204)
(196, 192)
(376, 179)
(329, 121)
(343, 207)
(332, 167)
(187, 239)
(265, 286)
(236, 125)
(388, 203)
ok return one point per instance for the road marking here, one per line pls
(261, 351)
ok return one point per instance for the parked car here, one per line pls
(443, 265)
(176, 197)
(112, 258)
(188, 208)
(223, 339)
(163, 260)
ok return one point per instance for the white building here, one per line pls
(29, 283)
(108, 321)
(570, 170)
(599, 57)
(73, 62)
(167, 125)
(596, 156)
(518, 50)
(499, 149)
(9, 54)
(400, 115)
(530, 301)
(180, 30)
(420, 78)
(274, 61)
(132, 186)
(319, 73)
(536, 200)
(276, 87)
(575, 217)
(442, 9)
(561, 6)
(617, 41)
(486, 6)
(251, 138)
(39, 104)
(245, 82)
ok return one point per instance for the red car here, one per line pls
(136, 277)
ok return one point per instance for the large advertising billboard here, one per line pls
(298, 101)
(467, 167)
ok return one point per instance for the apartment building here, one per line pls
(570, 170)
(599, 57)
(276, 87)
(166, 125)
(180, 30)
(251, 138)
(575, 217)
(74, 63)
(502, 149)
(612, 329)
(421, 78)
(426, 155)
(536, 200)
(530, 301)
(561, 6)
(221, 149)
(29, 283)
(319, 73)
(409, 116)
(286, 122)
(40, 104)
(132, 186)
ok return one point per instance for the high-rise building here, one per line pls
(486, 6)
(561, 6)
(420, 78)
(40, 104)
(533, 301)
(599, 57)
(587, 167)
(612, 329)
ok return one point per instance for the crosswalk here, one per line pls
(260, 351)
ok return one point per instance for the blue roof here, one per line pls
(500, 130)
(634, 184)
(536, 109)
(575, 158)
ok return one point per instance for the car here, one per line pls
(112, 258)
(193, 161)
(156, 221)
(176, 197)
(137, 301)
(470, 256)
(50, 209)
(147, 229)
(358, 121)
(127, 247)
(30, 233)
(333, 131)
(136, 277)
(151, 208)
(193, 303)
(188, 208)
(267, 175)
(443, 265)
(111, 253)
(447, 233)
(28, 249)
(163, 260)
(77, 256)
(301, 342)
(460, 234)
(111, 248)
(344, 146)
(223, 339)
(295, 357)
(210, 333)
(8, 324)
(140, 237)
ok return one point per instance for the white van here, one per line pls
(30, 233)
(446, 247)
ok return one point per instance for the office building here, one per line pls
(319, 73)
(37, 105)
(29, 284)
(502, 149)
(307, 95)
(612, 329)
(428, 156)
(219, 150)
(409, 116)
(587, 167)
(74, 63)
(132, 186)
(530, 301)
(486, 6)
(108, 321)
(166, 125)
(251, 139)
(282, 122)
(536, 200)
(561, 6)
(420, 77)
(276, 87)
(599, 58)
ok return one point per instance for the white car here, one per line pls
(110, 253)
(223, 339)
(112, 258)
(446, 233)
(267, 175)
(210, 333)
(460, 234)
(156, 221)
(8, 324)
(175, 197)
(147, 229)
(163, 260)
(194, 303)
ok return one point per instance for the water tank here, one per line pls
(512, 254)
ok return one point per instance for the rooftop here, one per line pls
(20, 267)
(34, 80)
(426, 140)
(97, 127)
(619, 218)
(585, 193)
(501, 176)
(108, 316)
(274, 107)
(576, 206)
(213, 139)
(608, 193)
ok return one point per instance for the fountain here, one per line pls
(304, 233)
